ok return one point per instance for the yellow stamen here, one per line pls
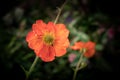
(83, 50)
(48, 39)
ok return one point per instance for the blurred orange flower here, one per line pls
(87, 48)
(48, 40)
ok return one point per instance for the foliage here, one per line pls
(83, 27)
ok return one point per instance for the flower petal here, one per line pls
(60, 47)
(33, 41)
(61, 31)
(39, 27)
(35, 44)
(89, 53)
(47, 53)
(90, 45)
(77, 46)
(31, 35)
(51, 27)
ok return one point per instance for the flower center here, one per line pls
(83, 50)
(48, 39)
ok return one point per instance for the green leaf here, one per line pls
(99, 47)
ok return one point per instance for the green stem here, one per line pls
(59, 12)
(77, 67)
(32, 67)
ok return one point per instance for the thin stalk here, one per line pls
(59, 12)
(77, 67)
(32, 67)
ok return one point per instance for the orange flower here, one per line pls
(48, 40)
(87, 48)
